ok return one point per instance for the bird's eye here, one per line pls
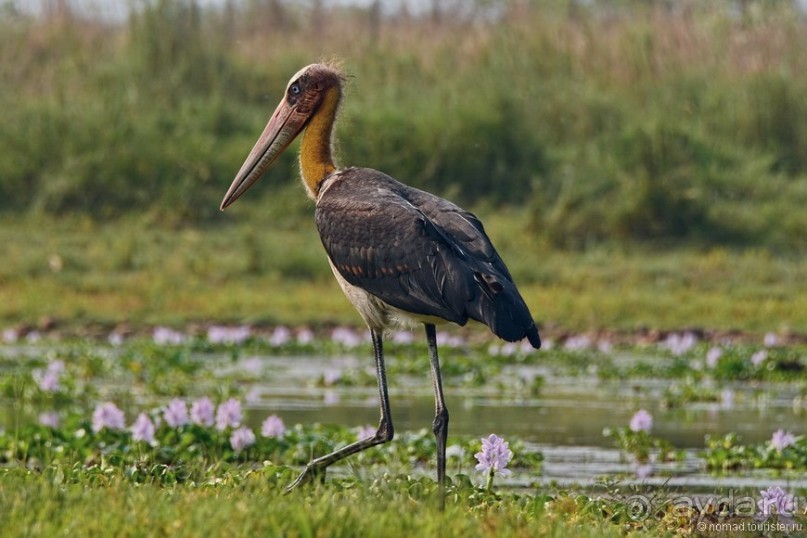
(294, 89)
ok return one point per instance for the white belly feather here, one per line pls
(377, 314)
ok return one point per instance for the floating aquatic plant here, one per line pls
(493, 458)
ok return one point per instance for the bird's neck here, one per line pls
(316, 159)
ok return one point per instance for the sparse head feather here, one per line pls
(319, 74)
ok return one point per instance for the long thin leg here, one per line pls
(384, 433)
(440, 424)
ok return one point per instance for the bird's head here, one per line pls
(305, 94)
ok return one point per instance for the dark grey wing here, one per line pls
(463, 228)
(390, 249)
(419, 253)
(498, 302)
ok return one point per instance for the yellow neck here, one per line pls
(316, 161)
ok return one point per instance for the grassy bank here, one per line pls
(245, 504)
(262, 268)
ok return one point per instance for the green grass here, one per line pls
(257, 265)
(251, 504)
(632, 126)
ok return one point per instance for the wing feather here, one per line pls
(418, 253)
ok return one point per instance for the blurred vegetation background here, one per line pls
(607, 121)
(638, 163)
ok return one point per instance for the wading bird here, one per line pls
(400, 254)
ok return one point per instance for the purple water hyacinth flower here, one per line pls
(712, 356)
(176, 413)
(403, 337)
(771, 340)
(252, 365)
(678, 344)
(10, 335)
(49, 419)
(494, 456)
(115, 338)
(450, 340)
(273, 427)
(580, 342)
(759, 357)
(48, 379)
(219, 334)
(108, 415)
(305, 336)
(641, 421)
(202, 412)
(346, 337)
(365, 432)
(143, 429)
(242, 438)
(775, 500)
(280, 336)
(782, 439)
(168, 336)
(605, 346)
(331, 376)
(229, 414)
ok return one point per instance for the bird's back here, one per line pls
(418, 253)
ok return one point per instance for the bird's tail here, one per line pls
(501, 307)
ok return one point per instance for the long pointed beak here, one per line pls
(283, 127)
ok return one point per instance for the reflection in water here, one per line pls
(555, 419)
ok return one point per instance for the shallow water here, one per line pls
(564, 421)
(569, 411)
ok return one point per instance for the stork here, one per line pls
(400, 254)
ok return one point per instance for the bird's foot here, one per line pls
(309, 475)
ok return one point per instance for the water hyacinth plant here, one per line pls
(493, 458)
(641, 421)
(636, 440)
(143, 429)
(108, 415)
(783, 451)
(242, 438)
(781, 439)
(273, 427)
(175, 413)
(49, 418)
(202, 411)
(712, 356)
(217, 334)
(229, 415)
(49, 378)
(775, 502)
